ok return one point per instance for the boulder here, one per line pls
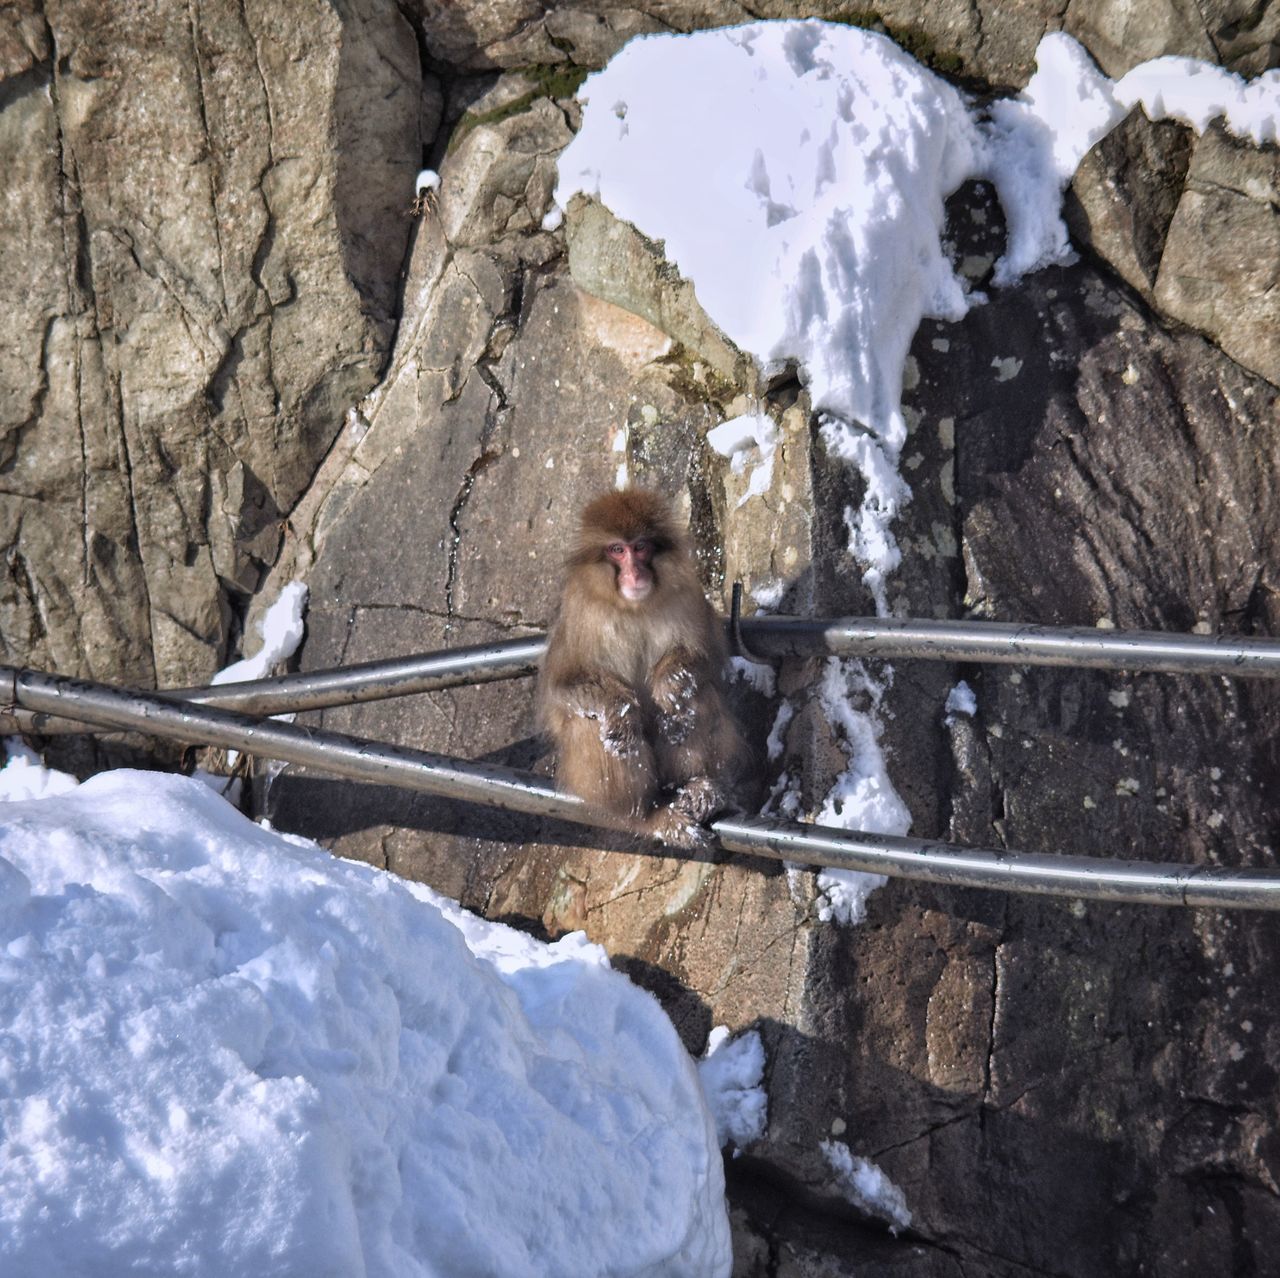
(1192, 224)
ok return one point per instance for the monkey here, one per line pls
(631, 687)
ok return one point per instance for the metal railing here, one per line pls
(343, 686)
(1008, 643)
(104, 707)
(765, 638)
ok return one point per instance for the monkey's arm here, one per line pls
(681, 685)
(698, 747)
(596, 723)
(596, 695)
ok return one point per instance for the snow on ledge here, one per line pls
(282, 629)
(866, 1186)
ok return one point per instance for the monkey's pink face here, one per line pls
(631, 561)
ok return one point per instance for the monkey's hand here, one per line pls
(700, 799)
(675, 694)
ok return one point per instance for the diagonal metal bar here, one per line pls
(345, 685)
(1092, 878)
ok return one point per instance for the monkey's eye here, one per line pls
(642, 546)
(615, 550)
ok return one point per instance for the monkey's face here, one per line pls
(633, 567)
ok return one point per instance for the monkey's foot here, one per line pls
(677, 830)
(699, 799)
(680, 823)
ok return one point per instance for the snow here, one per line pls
(775, 743)
(731, 1070)
(960, 700)
(427, 180)
(25, 777)
(1035, 143)
(227, 1052)
(741, 437)
(621, 443)
(1197, 93)
(866, 1186)
(863, 797)
(281, 629)
(755, 674)
(768, 594)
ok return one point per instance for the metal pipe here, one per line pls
(1036, 873)
(345, 685)
(374, 680)
(769, 637)
(118, 709)
(929, 860)
(1009, 643)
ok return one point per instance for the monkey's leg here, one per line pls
(602, 754)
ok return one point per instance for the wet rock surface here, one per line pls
(219, 377)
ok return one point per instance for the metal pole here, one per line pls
(118, 709)
(1013, 644)
(346, 685)
(769, 637)
(374, 680)
(1074, 876)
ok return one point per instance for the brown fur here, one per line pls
(632, 693)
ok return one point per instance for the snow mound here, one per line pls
(824, 152)
(25, 777)
(226, 1052)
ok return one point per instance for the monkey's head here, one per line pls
(627, 536)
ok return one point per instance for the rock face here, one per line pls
(1056, 1088)
(1173, 215)
(982, 38)
(212, 206)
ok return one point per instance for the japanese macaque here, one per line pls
(631, 689)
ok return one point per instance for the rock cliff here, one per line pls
(232, 355)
